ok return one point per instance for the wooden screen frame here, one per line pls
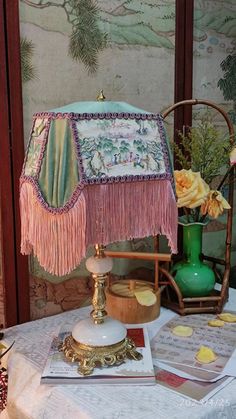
(15, 266)
(183, 63)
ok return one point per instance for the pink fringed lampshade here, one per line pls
(95, 177)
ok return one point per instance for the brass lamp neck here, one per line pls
(99, 251)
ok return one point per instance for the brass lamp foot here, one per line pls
(89, 357)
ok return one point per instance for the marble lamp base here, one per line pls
(99, 340)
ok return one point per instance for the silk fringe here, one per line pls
(102, 214)
(131, 210)
(57, 240)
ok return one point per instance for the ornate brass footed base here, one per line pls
(89, 357)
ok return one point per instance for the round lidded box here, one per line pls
(122, 304)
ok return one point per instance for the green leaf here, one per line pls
(86, 39)
(228, 83)
(206, 149)
(26, 54)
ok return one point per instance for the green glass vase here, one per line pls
(193, 277)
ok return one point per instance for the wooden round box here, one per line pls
(121, 303)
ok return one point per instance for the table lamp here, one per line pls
(95, 173)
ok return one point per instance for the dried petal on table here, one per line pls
(227, 317)
(205, 355)
(182, 331)
(216, 323)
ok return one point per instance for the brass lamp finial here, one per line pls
(101, 96)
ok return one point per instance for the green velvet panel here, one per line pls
(59, 172)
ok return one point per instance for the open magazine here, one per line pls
(58, 370)
(175, 363)
(171, 349)
(198, 391)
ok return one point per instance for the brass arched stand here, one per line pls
(172, 296)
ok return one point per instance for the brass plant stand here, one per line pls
(172, 297)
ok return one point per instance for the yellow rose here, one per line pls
(214, 204)
(191, 189)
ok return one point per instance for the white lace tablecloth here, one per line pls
(27, 399)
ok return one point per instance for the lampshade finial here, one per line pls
(101, 96)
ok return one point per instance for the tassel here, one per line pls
(57, 239)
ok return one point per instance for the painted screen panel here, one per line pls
(214, 79)
(70, 50)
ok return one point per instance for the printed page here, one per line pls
(169, 348)
(189, 372)
(195, 390)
